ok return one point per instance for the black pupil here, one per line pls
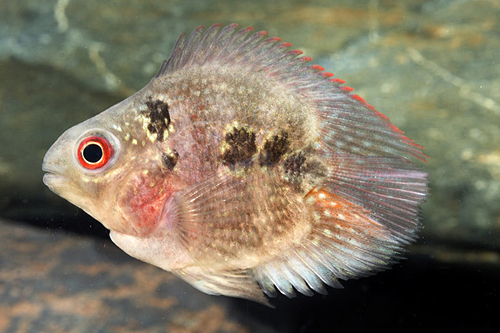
(92, 153)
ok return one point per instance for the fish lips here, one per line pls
(52, 180)
(60, 184)
(53, 177)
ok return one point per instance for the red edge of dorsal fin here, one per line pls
(285, 45)
(347, 89)
(274, 39)
(327, 74)
(317, 68)
(383, 116)
(230, 26)
(359, 99)
(262, 33)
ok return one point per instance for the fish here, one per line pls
(246, 171)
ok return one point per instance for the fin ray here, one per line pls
(390, 188)
(346, 241)
(235, 283)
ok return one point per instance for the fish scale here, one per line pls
(245, 171)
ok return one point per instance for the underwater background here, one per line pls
(431, 66)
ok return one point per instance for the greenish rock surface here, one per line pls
(431, 66)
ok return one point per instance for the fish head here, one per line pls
(109, 167)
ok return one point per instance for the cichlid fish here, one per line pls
(243, 169)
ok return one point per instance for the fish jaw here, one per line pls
(56, 183)
(54, 162)
(57, 164)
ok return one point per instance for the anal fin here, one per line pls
(235, 283)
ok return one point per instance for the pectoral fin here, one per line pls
(237, 220)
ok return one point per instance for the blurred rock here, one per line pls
(54, 281)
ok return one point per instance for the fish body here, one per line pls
(244, 170)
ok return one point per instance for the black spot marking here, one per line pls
(294, 164)
(241, 148)
(274, 149)
(170, 160)
(159, 117)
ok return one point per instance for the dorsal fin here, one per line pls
(349, 124)
(232, 47)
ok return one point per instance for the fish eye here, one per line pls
(94, 152)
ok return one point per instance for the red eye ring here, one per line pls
(94, 152)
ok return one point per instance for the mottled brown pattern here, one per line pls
(208, 320)
(159, 117)
(294, 164)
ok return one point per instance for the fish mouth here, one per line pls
(53, 177)
(54, 181)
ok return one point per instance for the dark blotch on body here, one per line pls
(170, 160)
(294, 164)
(274, 149)
(241, 146)
(159, 117)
